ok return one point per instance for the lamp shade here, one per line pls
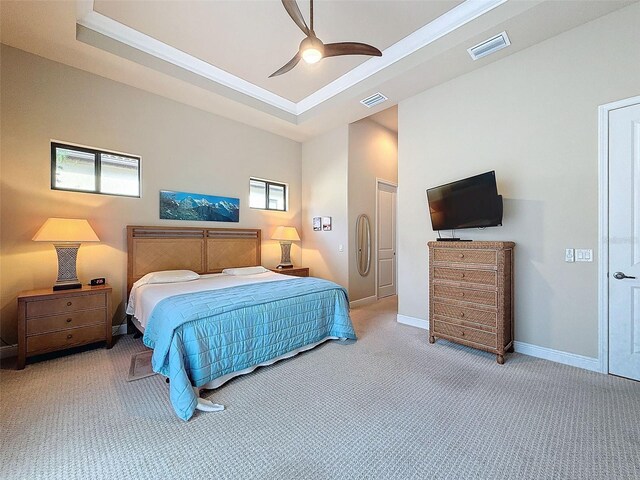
(66, 230)
(285, 233)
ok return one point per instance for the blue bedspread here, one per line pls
(198, 337)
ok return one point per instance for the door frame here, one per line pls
(395, 185)
(603, 227)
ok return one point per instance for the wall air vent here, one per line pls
(489, 46)
(373, 100)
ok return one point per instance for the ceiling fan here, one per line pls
(312, 49)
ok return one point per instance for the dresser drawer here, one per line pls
(465, 333)
(480, 277)
(483, 257)
(64, 305)
(467, 314)
(66, 338)
(481, 297)
(65, 321)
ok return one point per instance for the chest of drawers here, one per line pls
(471, 294)
(49, 321)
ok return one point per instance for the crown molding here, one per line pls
(135, 39)
(438, 28)
(455, 18)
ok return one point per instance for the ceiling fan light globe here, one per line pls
(312, 55)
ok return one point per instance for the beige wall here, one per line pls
(182, 148)
(324, 187)
(533, 118)
(373, 153)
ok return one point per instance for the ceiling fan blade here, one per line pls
(350, 48)
(294, 12)
(290, 64)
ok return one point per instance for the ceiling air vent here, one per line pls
(373, 100)
(487, 47)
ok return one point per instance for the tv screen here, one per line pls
(469, 203)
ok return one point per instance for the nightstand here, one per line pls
(294, 272)
(50, 321)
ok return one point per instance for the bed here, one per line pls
(206, 326)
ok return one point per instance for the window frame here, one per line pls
(97, 152)
(268, 184)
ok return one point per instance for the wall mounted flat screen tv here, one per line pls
(468, 203)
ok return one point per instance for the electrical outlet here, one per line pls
(568, 255)
(584, 255)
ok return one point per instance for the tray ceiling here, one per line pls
(252, 39)
(217, 55)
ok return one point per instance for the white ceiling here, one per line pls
(252, 39)
(217, 55)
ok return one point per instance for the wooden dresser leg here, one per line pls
(432, 339)
(500, 359)
(20, 361)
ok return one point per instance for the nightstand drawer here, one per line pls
(63, 305)
(483, 257)
(55, 323)
(293, 272)
(297, 273)
(481, 277)
(64, 339)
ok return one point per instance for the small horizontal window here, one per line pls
(267, 195)
(82, 169)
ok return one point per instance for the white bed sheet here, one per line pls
(144, 298)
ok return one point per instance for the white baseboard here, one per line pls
(119, 329)
(558, 356)
(363, 301)
(413, 321)
(566, 358)
(8, 351)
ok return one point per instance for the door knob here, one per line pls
(621, 276)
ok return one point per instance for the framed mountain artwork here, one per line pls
(198, 207)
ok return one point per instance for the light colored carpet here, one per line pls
(390, 406)
(140, 366)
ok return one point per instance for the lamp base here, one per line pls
(67, 276)
(66, 286)
(285, 259)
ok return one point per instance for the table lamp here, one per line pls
(66, 234)
(286, 235)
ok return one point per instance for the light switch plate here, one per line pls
(568, 255)
(584, 255)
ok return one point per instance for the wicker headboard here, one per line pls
(203, 250)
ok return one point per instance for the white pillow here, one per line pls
(168, 276)
(244, 271)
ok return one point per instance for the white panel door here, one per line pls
(386, 240)
(624, 242)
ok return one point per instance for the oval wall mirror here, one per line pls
(363, 245)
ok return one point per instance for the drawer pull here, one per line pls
(462, 294)
(68, 320)
(69, 304)
(461, 314)
(462, 275)
(462, 333)
(462, 255)
(69, 337)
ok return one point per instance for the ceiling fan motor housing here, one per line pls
(310, 44)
